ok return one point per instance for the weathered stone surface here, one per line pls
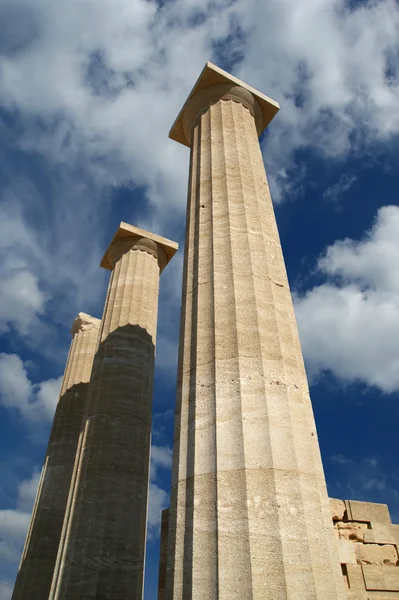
(381, 578)
(382, 595)
(355, 577)
(351, 530)
(356, 595)
(163, 554)
(41, 546)
(368, 511)
(346, 552)
(249, 515)
(102, 547)
(369, 536)
(383, 534)
(373, 554)
(338, 509)
(395, 533)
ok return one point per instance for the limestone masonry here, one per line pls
(41, 546)
(102, 549)
(249, 515)
(368, 548)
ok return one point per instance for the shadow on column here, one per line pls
(105, 554)
(38, 559)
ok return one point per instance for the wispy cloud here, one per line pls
(344, 183)
(34, 402)
(161, 458)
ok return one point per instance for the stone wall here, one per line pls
(368, 548)
(368, 545)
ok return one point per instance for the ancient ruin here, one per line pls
(40, 552)
(249, 515)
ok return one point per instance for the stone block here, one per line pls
(355, 577)
(346, 552)
(382, 595)
(356, 595)
(395, 533)
(383, 534)
(368, 511)
(338, 509)
(381, 578)
(351, 531)
(369, 536)
(373, 554)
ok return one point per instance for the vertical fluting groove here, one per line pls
(104, 543)
(268, 477)
(238, 551)
(253, 346)
(176, 532)
(311, 525)
(34, 511)
(117, 306)
(58, 565)
(108, 309)
(189, 513)
(276, 570)
(216, 559)
(74, 366)
(79, 373)
(68, 366)
(202, 394)
(39, 559)
(131, 303)
(90, 358)
(303, 536)
(228, 107)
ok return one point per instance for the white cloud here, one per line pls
(100, 111)
(157, 501)
(350, 324)
(35, 402)
(27, 492)
(161, 457)
(5, 590)
(14, 523)
(113, 91)
(21, 299)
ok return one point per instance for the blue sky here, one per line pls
(88, 92)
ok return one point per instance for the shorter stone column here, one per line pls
(163, 554)
(102, 550)
(41, 546)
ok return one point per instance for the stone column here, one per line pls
(249, 516)
(102, 550)
(41, 546)
(163, 551)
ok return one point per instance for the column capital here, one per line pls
(84, 322)
(128, 237)
(213, 85)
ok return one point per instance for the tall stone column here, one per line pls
(41, 546)
(102, 550)
(249, 516)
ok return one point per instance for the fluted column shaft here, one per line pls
(104, 538)
(41, 546)
(249, 516)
